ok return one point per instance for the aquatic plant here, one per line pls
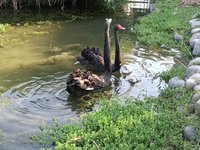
(4, 27)
(3, 138)
(124, 123)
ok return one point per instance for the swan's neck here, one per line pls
(117, 52)
(107, 52)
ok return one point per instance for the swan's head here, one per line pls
(107, 23)
(119, 27)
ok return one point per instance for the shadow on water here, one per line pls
(35, 63)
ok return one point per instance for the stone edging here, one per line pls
(192, 81)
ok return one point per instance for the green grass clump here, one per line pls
(159, 27)
(176, 71)
(4, 27)
(154, 124)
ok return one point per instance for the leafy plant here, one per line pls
(154, 123)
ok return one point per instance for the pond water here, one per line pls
(36, 60)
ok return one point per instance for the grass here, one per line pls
(154, 124)
(159, 27)
(176, 71)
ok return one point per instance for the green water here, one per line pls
(35, 61)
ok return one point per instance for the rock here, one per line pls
(133, 78)
(197, 107)
(191, 109)
(194, 22)
(178, 95)
(181, 109)
(190, 84)
(192, 70)
(196, 97)
(175, 82)
(189, 132)
(178, 37)
(196, 36)
(195, 61)
(195, 30)
(193, 81)
(196, 50)
(193, 41)
(126, 70)
(197, 88)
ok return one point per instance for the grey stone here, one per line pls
(181, 109)
(196, 97)
(178, 95)
(197, 107)
(196, 36)
(196, 50)
(190, 84)
(194, 22)
(189, 132)
(175, 82)
(192, 70)
(178, 37)
(195, 61)
(193, 41)
(193, 81)
(195, 30)
(197, 88)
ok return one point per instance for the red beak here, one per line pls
(121, 27)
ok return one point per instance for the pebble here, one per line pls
(195, 30)
(194, 22)
(196, 97)
(196, 49)
(193, 41)
(197, 107)
(197, 88)
(195, 61)
(175, 82)
(193, 81)
(192, 70)
(189, 132)
(178, 37)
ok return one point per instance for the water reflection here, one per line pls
(46, 96)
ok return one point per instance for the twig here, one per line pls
(96, 145)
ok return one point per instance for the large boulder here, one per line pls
(195, 61)
(192, 70)
(196, 50)
(175, 82)
(193, 81)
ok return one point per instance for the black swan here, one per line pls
(82, 82)
(93, 59)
